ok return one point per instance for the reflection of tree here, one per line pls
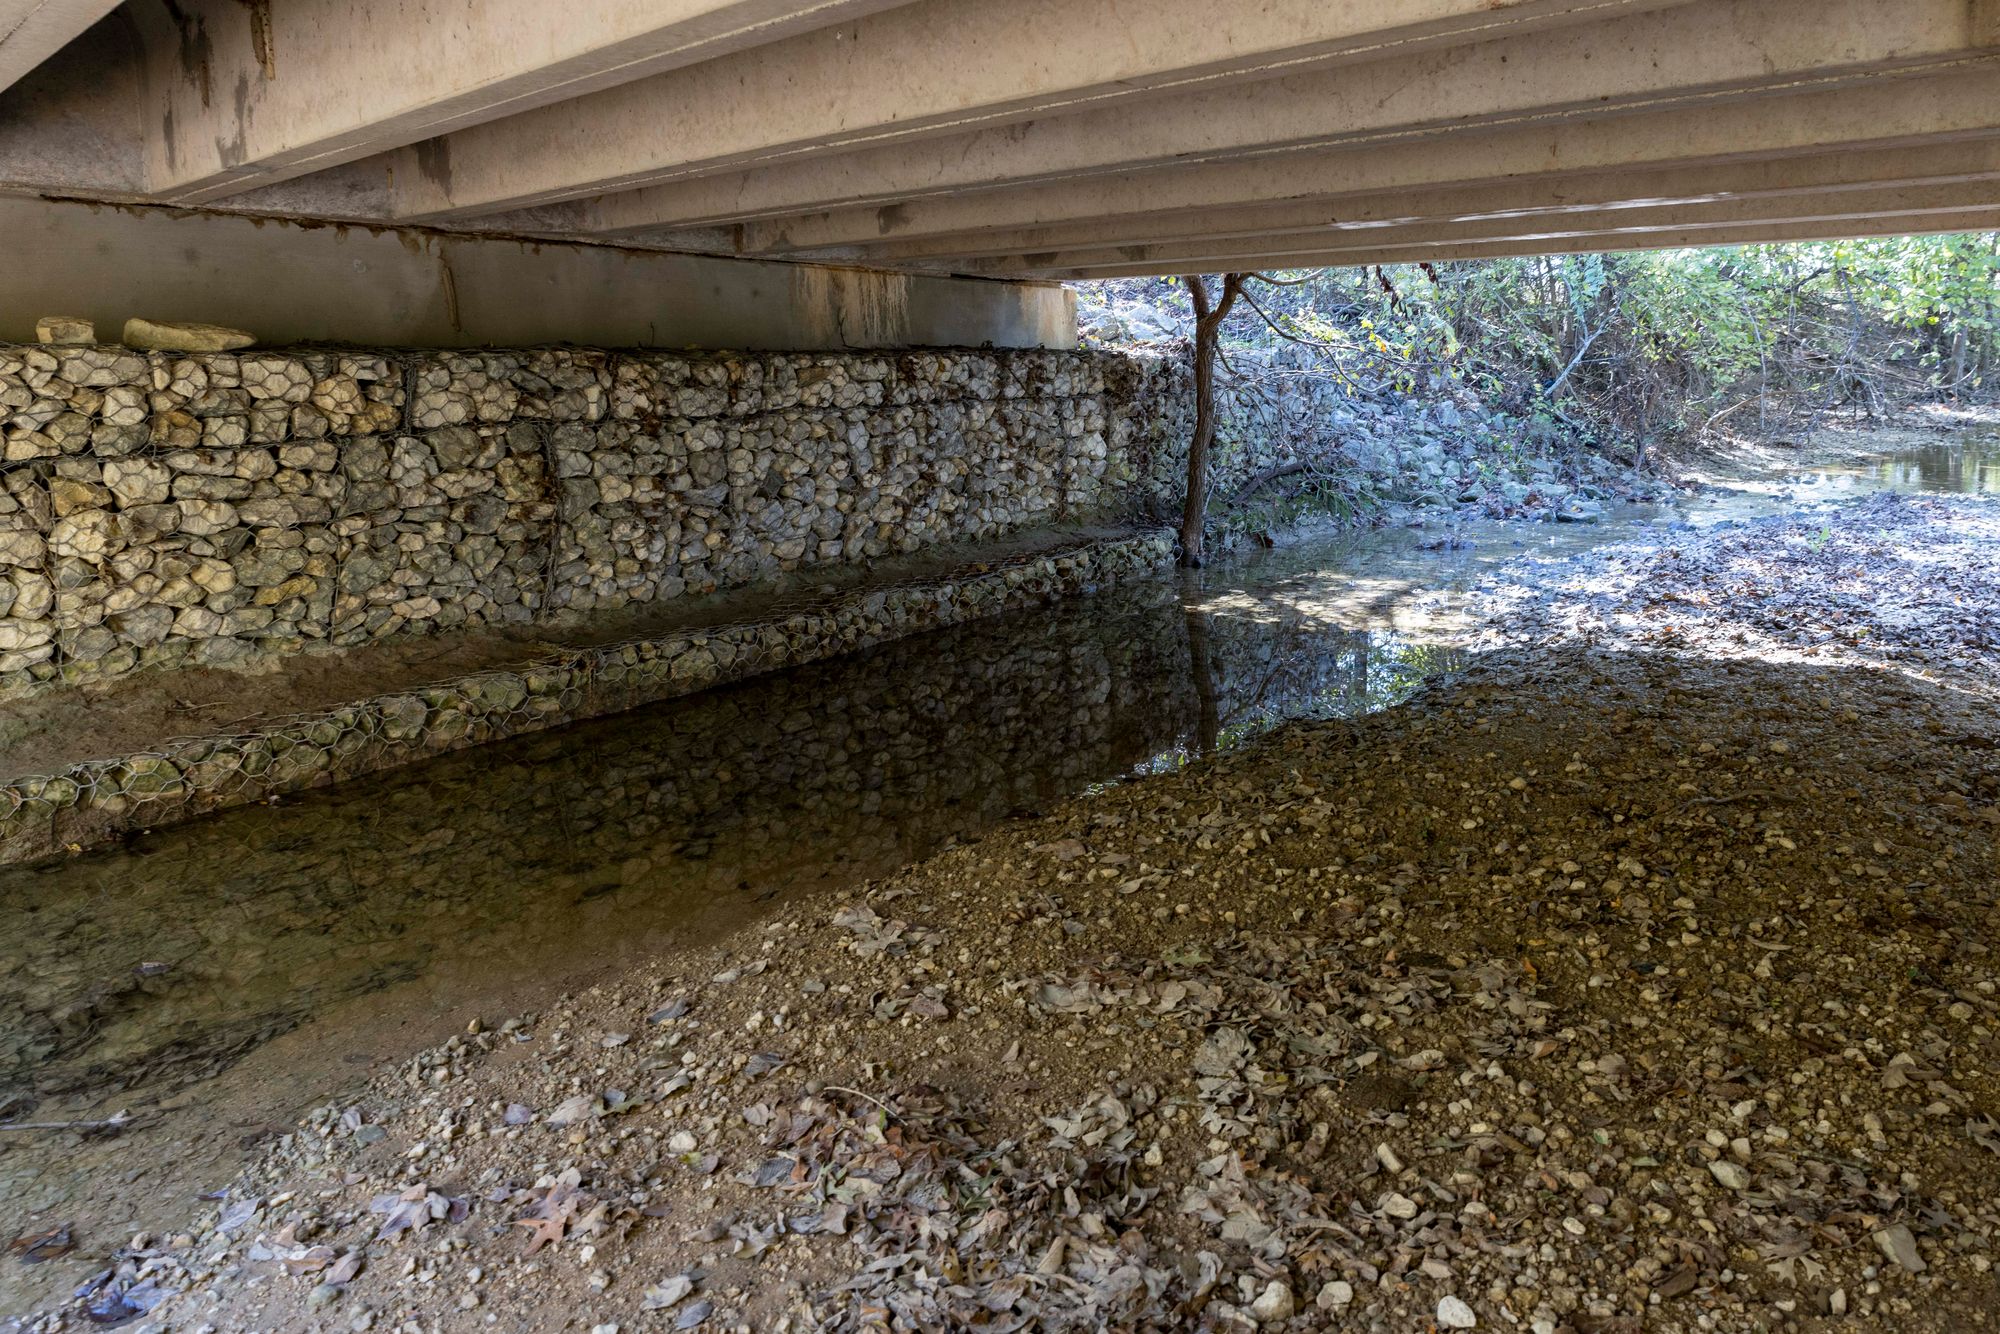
(1249, 673)
(1208, 713)
(1399, 667)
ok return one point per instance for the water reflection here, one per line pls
(158, 963)
(1965, 468)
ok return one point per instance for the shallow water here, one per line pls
(214, 976)
(1969, 467)
(1967, 464)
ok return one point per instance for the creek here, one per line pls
(216, 978)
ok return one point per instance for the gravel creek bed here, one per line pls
(1636, 977)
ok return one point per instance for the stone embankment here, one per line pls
(98, 799)
(1285, 429)
(166, 510)
(186, 512)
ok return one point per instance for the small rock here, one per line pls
(165, 336)
(1274, 1303)
(1399, 1206)
(1334, 1295)
(1387, 1157)
(1729, 1174)
(582, 1107)
(64, 329)
(1896, 1242)
(669, 1293)
(1455, 1314)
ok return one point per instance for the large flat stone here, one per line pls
(165, 336)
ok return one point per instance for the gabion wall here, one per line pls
(101, 799)
(165, 509)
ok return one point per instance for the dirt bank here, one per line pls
(1638, 976)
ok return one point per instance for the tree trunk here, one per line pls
(1208, 320)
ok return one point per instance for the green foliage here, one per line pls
(1631, 346)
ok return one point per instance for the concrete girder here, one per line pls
(1705, 52)
(1557, 197)
(33, 30)
(1611, 224)
(1879, 114)
(1678, 238)
(246, 95)
(404, 287)
(923, 70)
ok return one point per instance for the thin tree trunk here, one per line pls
(1208, 318)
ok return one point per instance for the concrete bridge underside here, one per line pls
(1026, 140)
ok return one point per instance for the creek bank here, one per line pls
(97, 800)
(1302, 440)
(1295, 450)
(172, 525)
(1635, 977)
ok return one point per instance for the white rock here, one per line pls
(1729, 1174)
(1896, 1242)
(582, 1107)
(1455, 1314)
(668, 1292)
(1399, 1206)
(1334, 1295)
(1274, 1303)
(86, 535)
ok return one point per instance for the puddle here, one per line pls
(212, 977)
(1963, 465)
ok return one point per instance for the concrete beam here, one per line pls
(242, 95)
(923, 70)
(404, 287)
(33, 30)
(1612, 225)
(1879, 114)
(1698, 53)
(1973, 220)
(1554, 197)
